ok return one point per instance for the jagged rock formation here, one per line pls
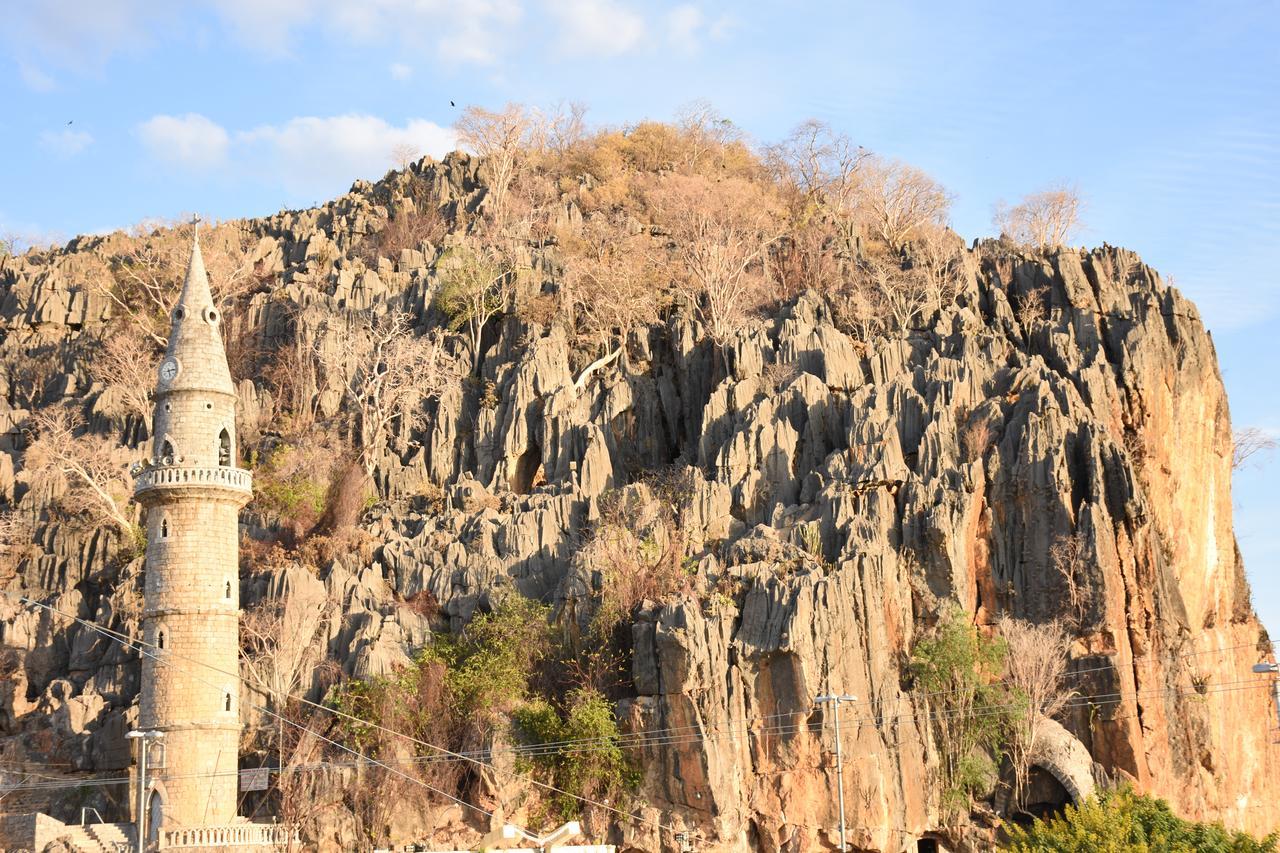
(839, 491)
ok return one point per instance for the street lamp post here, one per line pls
(835, 704)
(144, 742)
(1273, 668)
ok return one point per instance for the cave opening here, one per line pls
(528, 471)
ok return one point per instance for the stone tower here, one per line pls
(192, 492)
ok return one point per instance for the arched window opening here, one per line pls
(224, 447)
(160, 640)
(226, 704)
(227, 593)
(164, 528)
(155, 816)
(166, 452)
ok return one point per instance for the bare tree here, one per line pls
(897, 291)
(566, 128)
(1035, 668)
(705, 131)
(476, 285)
(1067, 556)
(404, 155)
(901, 199)
(1044, 219)
(389, 371)
(1247, 443)
(147, 277)
(825, 166)
(938, 259)
(500, 138)
(722, 231)
(126, 366)
(93, 469)
(611, 285)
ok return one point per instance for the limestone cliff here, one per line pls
(839, 491)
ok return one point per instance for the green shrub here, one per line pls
(492, 662)
(1124, 821)
(587, 760)
(957, 669)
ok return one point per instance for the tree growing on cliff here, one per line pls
(1035, 666)
(956, 671)
(88, 472)
(389, 372)
(476, 285)
(1247, 444)
(501, 138)
(146, 276)
(125, 365)
(611, 284)
(826, 166)
(900, 200)
(1044, 219)
(722, 231)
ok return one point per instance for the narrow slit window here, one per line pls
(227, 593)
(164, 528)
(160, 640)
(226, 702)
(224, 448)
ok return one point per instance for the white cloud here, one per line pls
(683, 23)
(596, 27)
(265, 25)
(687, 27)
(190, 140)
(323, 156)
(457, 31)
(66, 142)
(400, 71)
(35, 79)
(79, 34)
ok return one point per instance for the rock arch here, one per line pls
(1060, 754)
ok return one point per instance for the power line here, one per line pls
(634, 740)
(120, 638)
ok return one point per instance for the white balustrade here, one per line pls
(176, 476)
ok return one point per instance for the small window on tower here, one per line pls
(166, 452)
(160, 640)
(224, 448)
(164, 528)
(226, 703)
(227, 593)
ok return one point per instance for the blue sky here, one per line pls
(1166, 115)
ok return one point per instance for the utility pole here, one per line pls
(144, 743)
(835, 705)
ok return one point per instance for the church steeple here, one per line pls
(195, 359)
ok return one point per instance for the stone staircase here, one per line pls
(99, 837)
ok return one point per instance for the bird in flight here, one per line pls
(452, 104)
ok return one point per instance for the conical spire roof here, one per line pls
(195, 339)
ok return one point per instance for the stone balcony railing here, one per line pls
(214, 837)
(179, 476)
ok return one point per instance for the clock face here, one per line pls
(168, 369)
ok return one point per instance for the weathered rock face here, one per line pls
(840, 492)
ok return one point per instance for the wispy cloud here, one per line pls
(688, 28)
(191, 141)
(35, 79)
(400, 71)
(596, 27)
(66, 142)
